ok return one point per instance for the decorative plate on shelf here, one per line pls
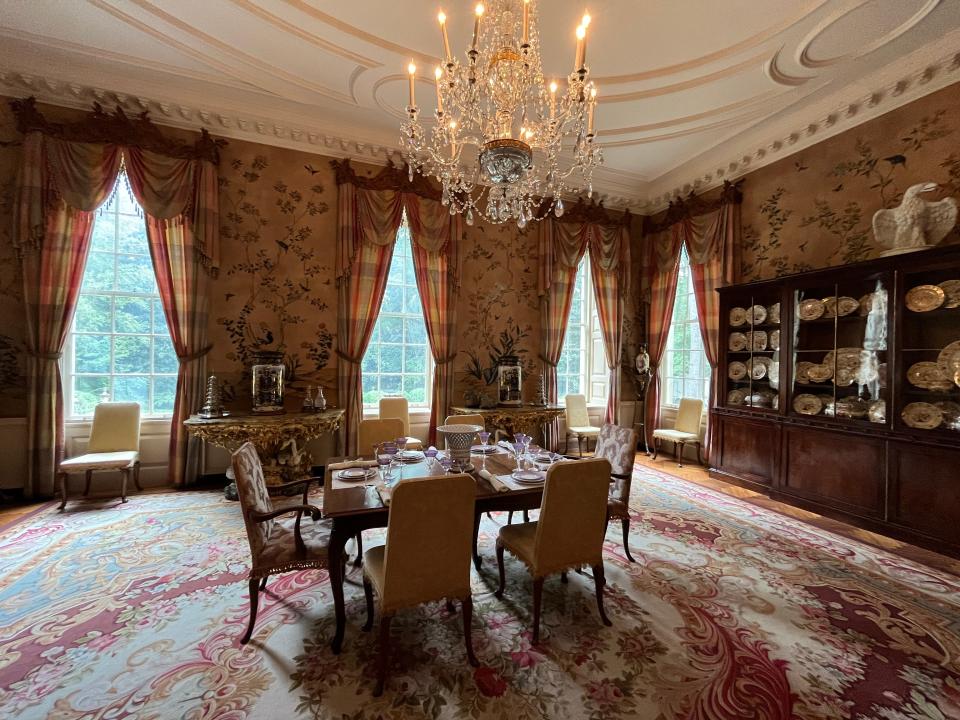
(820, 373)
(847, 305)
(738, 342)
(807, 404)
(922, 416)
(830, 306)
(878, 411)
(773, 313)
(803, 372)
(951, 413)
(737, 370)
(951, 288)
(758, 367)
(757, 340)
(811, 309)
(852, 407)
(924, 298)
(738, 316)
(756, 314)
(736, 396)
(949, 362)
(775, 339)
(927, 375)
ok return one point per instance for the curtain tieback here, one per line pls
(447, 360)
(47, 356)
(548, 362)
(349, 358)
(188, 357)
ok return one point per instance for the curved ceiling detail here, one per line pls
(685, 98)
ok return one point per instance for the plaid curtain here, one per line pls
(435, 243)
(59, 186)
(562, 246)
(179, 198)
(368, 221)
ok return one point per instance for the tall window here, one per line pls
(119, 347)
(685, 372)
(398, 361)
(582, 369)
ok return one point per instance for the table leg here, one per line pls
(477, 561)
(338, 539)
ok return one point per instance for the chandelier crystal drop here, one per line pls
(505, 143)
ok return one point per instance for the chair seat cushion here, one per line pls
(676, 435)
(101, 461)
(280, 552)
(414, 444)
(583, 430)
(518, 539)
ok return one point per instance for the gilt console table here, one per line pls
(527, 419)
(279, 439)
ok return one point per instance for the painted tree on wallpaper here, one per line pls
(819, 211)
(283, 270)
(12, 381)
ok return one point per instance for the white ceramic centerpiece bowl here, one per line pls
(459, 440)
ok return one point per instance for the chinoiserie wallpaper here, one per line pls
(13, 400)
(815, 208)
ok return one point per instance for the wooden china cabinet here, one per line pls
(840, 392)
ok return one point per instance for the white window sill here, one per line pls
(87, 420)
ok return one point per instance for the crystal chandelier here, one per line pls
(506, 143)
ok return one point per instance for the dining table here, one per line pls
(354, 506)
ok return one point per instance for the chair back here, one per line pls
(619, 446)
(374, 432)
(252, 490)
(576, 411)
(116, 427)
(573, 516)
(688, 416)
(396, 407)
(429, 540)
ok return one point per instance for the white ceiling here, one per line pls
(692, 91)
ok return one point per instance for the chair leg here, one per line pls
(62, 478)
(503, 579)
(136, 476)
(124, 474)
(580, 445)
(656, 448)
(263, 583)
(87, 480)
(451, 608)
(368, 594)
(254, 601)
(563, 577)
(537, 598)
(526, 516)
(625, 523)
(467, 607)
(566, 443)
(599, 581)
(383, 658)
(510, 518)
(359, 559)
(678, 453)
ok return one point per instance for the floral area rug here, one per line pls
(731, 611)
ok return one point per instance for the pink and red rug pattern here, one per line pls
(732, 611)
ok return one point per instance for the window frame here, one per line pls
(404, 240)
(589, 323)
(112, 211)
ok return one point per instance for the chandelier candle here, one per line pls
(505, 143)
(412, 69)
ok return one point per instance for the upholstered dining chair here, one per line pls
(374, 432)
(114, 445)
(685, 430)
(578, 422)
(619, 446)
(422, 561)
(277, 544)
(569, 532)
(398, 407)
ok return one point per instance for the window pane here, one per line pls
(164, 393)
(414, 359)
(135, 274)
(391, 384)
(164, 356)
(391, 330)
(686, 367)
(391, 358)
(93, 313)
(392, 299)
(371, 360)
(88, 391)
(131, 235)
(416, 331)
(132, 388)
(370, 392)
(98, 274)
(92, 354)
(411, 305)
(133, 315)
(131, 354)
(103, 233)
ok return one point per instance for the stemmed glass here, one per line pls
(446, 462)
(391, 449)
(517, 453)
(384, 460)
(402, 445)
(484, 439)
(431, 454)
(533, 452)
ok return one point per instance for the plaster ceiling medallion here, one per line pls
(503, 139)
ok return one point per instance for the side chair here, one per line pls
(619, 446)
(685, 430)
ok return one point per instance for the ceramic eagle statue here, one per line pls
(916, 224)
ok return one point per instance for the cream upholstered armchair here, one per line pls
(114, 445)
(685, 430)
(373, 432)
(578, 422)
(422, 561)
(619, 446)
(569, 532)
(277, 544)
(398, 407)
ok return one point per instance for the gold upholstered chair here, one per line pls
(619, 446)
(114, 445)
(277, 544)
(685, 430)
(578, 422)
(569, 532)
(374, 432)
(398, 407)
(422, 560)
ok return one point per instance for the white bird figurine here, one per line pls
(916, 224)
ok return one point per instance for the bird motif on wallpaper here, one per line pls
(916, 223)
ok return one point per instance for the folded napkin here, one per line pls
(347, 464)
(506, 446)
(494, 481)
(385, 492)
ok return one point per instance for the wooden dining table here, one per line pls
(354, 506)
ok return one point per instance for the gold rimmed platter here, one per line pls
(924, 298)
(922, 416)
(810, 309)
(738, 316)
(807, 404)
(951, 289)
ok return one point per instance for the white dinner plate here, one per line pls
(357, 474)
(528, 477)
(483, 449)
